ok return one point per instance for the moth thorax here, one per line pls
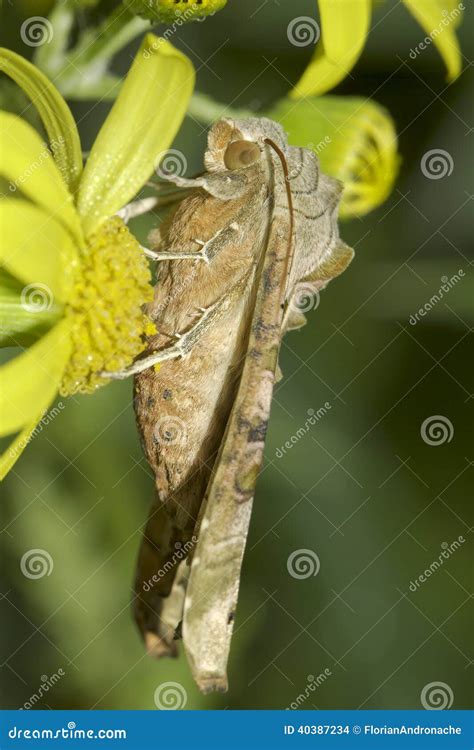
(241, 154)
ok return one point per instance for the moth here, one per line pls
(254, 230)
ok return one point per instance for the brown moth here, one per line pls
(257, 228)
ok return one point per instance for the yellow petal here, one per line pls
(53, 110)
(142, 124)
(29, 382)
(344, 28)
(27, 163)
(36, 249)
(439, 20)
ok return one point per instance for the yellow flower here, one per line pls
(355, 141)
(169, 11)
(63, 247)
(344, 29)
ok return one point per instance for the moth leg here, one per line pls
(184, 344)
(185, 182)
(167, 255)
(171, 352)
(222, 185)
(208, 249)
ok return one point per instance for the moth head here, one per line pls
(239, 144)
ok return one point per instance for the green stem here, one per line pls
(115, 32)
(207, 111)
(81, 72)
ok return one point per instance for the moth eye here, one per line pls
(241, 154)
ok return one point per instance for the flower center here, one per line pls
(108, 324)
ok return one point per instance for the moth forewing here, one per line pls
(209, 306)
(211, 600)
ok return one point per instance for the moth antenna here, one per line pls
(284, 165)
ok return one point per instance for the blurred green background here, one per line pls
(361, 489)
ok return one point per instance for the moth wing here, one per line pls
(183, 477)
(215, 569)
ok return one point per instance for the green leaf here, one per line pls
(24, 318)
